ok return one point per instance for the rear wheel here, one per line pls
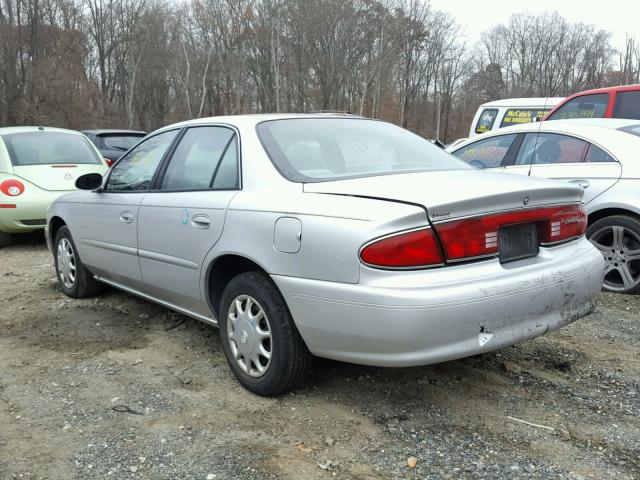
(75, 280)
(259, 339)
(6, 239)
(618, 239)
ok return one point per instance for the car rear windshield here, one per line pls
(49, 148)
(584, 106)
(632, 129)
(324, 149)
(120, 142)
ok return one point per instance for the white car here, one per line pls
(600, 155)
(510, 111)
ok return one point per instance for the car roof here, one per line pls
(524, 102)
(255, 118)
(617, 88)
(27, 129)
(112, 131)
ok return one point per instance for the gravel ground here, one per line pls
(66, 364)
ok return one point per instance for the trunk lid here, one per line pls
(456, 193)
(56, 177)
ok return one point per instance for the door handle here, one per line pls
(583, 183)
(126, 217)
(201, 221)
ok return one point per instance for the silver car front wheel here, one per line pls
(249, 335)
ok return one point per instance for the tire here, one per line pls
(618, 239)
(245, 339)
(6, 239)
(81, 283)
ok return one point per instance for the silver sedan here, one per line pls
(328, 235)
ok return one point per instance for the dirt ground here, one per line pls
(65, 365)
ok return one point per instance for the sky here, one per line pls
(476, 16)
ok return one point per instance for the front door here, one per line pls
(108, 220)
(183, 218)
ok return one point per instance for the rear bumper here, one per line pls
(396, 319)
(22, 218)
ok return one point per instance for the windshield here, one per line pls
(321, 149)
(49, 148)
(121, 142)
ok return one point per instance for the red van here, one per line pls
(609, 102)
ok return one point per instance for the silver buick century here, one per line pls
(328, 235)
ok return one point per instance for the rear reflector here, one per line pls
(478, 236)
(412, 249)
(7, 205)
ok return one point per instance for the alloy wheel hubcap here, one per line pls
(249, 335)
(621, 250)
(66, 263)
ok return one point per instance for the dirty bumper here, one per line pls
(432, 316)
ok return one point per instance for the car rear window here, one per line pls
(627, 105)
(486, 120)
(323, 149)
(120, 142)
(515, 116)
(584, 106)
(49, 148)
(632, 129)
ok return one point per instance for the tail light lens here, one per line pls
(478, 236)
(108, 161)
(12, 188)
(412, 249)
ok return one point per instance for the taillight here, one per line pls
(412, 249)
(108, 161)
(12, 188)
(478, 236)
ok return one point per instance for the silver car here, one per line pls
(600, 155)
(328, 235)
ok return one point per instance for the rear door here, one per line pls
(570, 159)
(106, 224)
(183, 218)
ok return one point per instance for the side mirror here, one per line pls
(89, 181)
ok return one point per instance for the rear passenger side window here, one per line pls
(627, 105)
(584, 106)
(487, 153)
(550, 148)
(595, 155)
(206, 158)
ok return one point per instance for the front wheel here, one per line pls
(260, 341)
(74, 278)
(618, 239)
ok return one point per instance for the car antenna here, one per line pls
(535, 147)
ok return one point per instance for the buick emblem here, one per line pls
(525, 201)
(244, 336)
(68, 176)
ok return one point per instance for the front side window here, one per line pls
(321, 149)
(584, 106)
(486, 153)
(49, 148)
(550, 148)
(135, 171)
(516, 116)
(205, 158)
(627, 105)
(486, 120)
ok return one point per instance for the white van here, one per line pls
(510, 111)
